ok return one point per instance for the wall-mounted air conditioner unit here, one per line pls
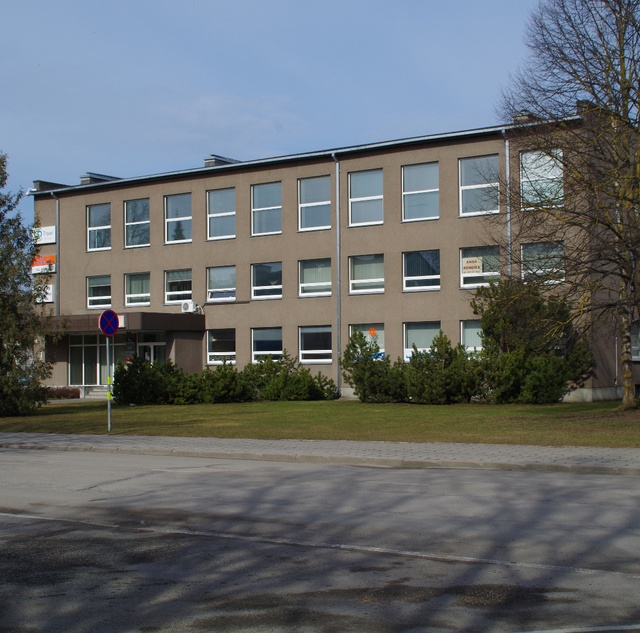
(189, 307)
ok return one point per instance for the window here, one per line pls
(479, 185)
(221, 347)
(99, 227)
(315, 203)
(365, 197)
(420, 192)
(421, 270)
(421, 335)
(178, 218)
(88, 357)
(479, 265)
(266, 342)
(366, 273)
(315, 344)
(177, 285)
(152, 346)
(541, 179)
(221, 283)
(266, 209)
(137, 289)
(635, 341)
(136, 223)
(99, 291)
(315, 278)
(471, 335)
(543, 261)
(266, 281)
(371, 331)
(221, 214)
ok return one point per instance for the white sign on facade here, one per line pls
(44, 235)
(48, 294)
(472, 265)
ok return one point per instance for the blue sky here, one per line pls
(134, 87)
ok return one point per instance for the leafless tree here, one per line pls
(575, 104)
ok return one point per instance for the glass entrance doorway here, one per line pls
(153, 352)
(152, 346)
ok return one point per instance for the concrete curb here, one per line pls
(327, 457)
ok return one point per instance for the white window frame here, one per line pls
(185, 295)
(548, 169)
(366, 328)
(256, 290)
(406, 278)
(229, 291)
(490, 274)
(477, 186)
(98, 301)
(408, 194)
(274, 354)
(548, 275)
(183, 218)
(315, 356)
(258, 210)
(317, 288)
(130, 298)
(369, 198)
(220, 358)
(98, 229)
(635, 341)
(354, 283)
(136, 223)
(305, 206)
(408, 349)
(470, 348)
(212, 215)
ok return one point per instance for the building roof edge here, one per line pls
(327, 153)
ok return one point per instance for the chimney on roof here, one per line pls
(216, 161)
(524, 116)
(584, 105)
(93, 179)
(45, 185)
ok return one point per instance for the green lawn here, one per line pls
(597, 424)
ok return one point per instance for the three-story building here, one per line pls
(236, 260)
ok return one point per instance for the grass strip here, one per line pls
(584, 424)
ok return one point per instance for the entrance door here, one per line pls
(153, 352)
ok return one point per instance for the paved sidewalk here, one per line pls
(625, 461)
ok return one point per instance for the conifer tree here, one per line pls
(23, 322)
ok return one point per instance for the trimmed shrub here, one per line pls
(138, 382)
(445, 375)
(141, 382)
(370, 373)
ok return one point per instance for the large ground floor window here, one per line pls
(88, 357)
(88, 354)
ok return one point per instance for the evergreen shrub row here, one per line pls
(451, 375)
(141, 382)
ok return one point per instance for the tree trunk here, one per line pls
(628, 384)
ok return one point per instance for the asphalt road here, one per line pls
(102, 542)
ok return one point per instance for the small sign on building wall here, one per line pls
(472, 265)
(43, 264)
(44, 235)
(47, 297)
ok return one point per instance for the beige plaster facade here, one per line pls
(184, 337)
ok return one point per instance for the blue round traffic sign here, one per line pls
(109, 322)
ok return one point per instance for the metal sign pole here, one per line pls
(109, 384)
(108, 324)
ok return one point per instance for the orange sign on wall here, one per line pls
(43, 264)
